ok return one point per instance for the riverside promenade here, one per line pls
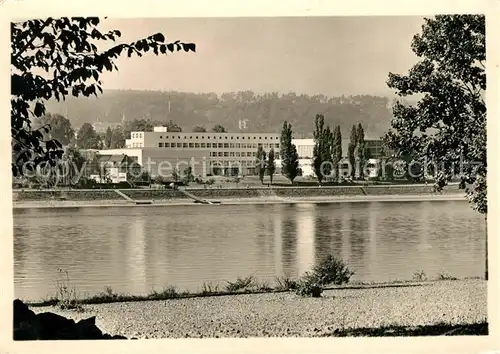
(163, 197)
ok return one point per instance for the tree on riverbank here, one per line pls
(271, 164)
(447, 127)
(351, 150)
(322, 152)
(360, 151)
(288, 153)
(337, 151)
(260, 163)
(65, 51)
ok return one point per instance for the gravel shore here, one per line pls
(286, 314)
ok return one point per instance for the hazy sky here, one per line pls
(328, 55)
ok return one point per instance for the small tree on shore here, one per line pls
(188, 176)
(175, 174)
(360, 151)
(322, 152)
(289, 155)
(318, 155)
(337, 151)
(260, 163)
(351, 150)
(271, 164)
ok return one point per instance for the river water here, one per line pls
(135, 250)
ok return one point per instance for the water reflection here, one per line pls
(305, 237)
(323, 232)
(136, 270)
(137, 249)
(289, 241)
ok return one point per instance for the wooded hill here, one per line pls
(237, 111)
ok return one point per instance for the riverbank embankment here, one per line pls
(109, 197)
(288, 315)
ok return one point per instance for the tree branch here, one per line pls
(35, 36)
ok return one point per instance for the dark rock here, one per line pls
(22, 313)
(87, 329)
(50, 326)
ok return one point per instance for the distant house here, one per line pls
(115, 168)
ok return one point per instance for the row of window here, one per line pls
(140, 135)
(237, 154)
(233, 163)
(218, 145)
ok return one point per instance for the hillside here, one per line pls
(240, 111)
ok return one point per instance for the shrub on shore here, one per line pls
(309, 286)
(285, 284)
(246, 283)
(330, 270)
(420, 276)
(65, 293)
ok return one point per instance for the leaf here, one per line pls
(188, 47)
(39, 109)
(107, 64)
(158, 37)
(163, 48)
(170, 47)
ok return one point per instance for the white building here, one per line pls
(224, 153)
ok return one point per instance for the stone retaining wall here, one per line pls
(213, 193)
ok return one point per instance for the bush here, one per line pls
(209, 288)
(284, 283)
(66, 294)
(332, 271)
(419, 276)
(446, 276)
(241, 284)
(329, 271)
(309, 286)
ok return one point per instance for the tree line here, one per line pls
(236, 111)
(327, 151)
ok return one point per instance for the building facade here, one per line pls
(224, 153)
